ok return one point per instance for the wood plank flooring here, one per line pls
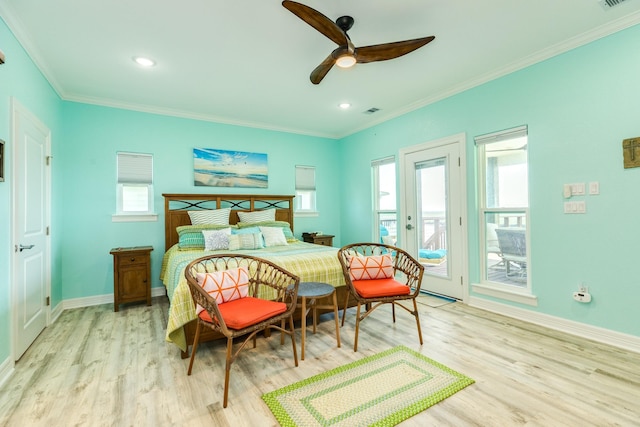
(94, 367)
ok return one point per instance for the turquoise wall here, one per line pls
(579, 106)
(20, 79)
(93, 135)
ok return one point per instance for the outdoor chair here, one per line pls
(378, 274)
(240, 296)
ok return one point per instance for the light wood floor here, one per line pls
(94, 367)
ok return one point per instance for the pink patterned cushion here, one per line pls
(225, 285)
(371, 267)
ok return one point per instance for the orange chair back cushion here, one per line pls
(370, 267)
(241, 313)
(224, 285)
(380, 288)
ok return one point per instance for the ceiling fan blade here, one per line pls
(382, 52)
(321, 70)
(318, 21)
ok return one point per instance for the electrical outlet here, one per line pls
(581, 296)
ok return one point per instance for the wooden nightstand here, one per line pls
(131, 275)
(318, 239)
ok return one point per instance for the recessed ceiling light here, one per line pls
(144, 62)
(344, 105)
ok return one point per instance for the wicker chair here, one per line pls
(402, 285)
(270, 301)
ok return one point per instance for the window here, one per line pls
(134, 187)
(305, 201)
(385, 221)
(504, 209)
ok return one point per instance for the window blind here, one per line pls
(306, 178)
(503, 135)
(135, 168)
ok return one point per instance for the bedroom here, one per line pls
(579, 105)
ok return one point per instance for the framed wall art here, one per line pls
(223, 168)
(1, 160)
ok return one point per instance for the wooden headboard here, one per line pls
(176, 207)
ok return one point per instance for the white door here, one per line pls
(433, 194)
(31, 261)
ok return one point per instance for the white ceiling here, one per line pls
(248, 62)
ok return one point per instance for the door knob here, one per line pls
(409, 227)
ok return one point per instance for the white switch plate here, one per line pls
(575, 207)
(577, 189)
(594, 188)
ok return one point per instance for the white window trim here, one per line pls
(125, 216)
(506, 292)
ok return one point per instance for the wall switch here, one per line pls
(575, 207)
(581, 206)
(566, 191)
(577, 189)
(594, 188)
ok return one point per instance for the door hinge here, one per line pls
(47, 230)
(460, 220)
(49, 160)
(48, 301)
(459, 162)
(461, 282)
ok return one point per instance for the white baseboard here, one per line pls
(6, 370)
(595, 333)
(104, 299)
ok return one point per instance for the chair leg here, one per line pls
(415, 310)
(393, 311)
(355, 340)
(293, 340)
(194, 347)
(227, 370)
(346, 303)
(335, 316)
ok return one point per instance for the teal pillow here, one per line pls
(191, 237)
(286, 227)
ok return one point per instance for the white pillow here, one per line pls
(215, 240)
(273, 236)
(216, 216)
(258, 216)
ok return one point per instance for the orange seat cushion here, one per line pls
(244, 312)
(380, 288)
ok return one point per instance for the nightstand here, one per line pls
(131, 275)
(318, 239)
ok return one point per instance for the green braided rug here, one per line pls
(379, 390)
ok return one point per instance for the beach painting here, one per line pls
(223, 168)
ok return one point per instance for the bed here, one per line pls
(310, 262)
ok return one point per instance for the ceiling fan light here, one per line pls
(144, 62)
(346, 61)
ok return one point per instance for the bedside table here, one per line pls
(131, 275)
(318, 239)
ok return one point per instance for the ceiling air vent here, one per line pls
(372, 110)
(608, 4)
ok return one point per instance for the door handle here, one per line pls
(409, 227)
(23, 247)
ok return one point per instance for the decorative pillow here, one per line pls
(215, 240)
(286, 227)
(224, 285)
(273, 236)
(371, 267)
(246, 230)
(191, 237)
(216, 216)
(258, 216)
(245, 241)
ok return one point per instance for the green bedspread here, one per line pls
(312, 263)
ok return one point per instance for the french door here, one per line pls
(433, 194)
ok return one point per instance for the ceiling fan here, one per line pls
(346, 54)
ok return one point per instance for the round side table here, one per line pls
(308, 295)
